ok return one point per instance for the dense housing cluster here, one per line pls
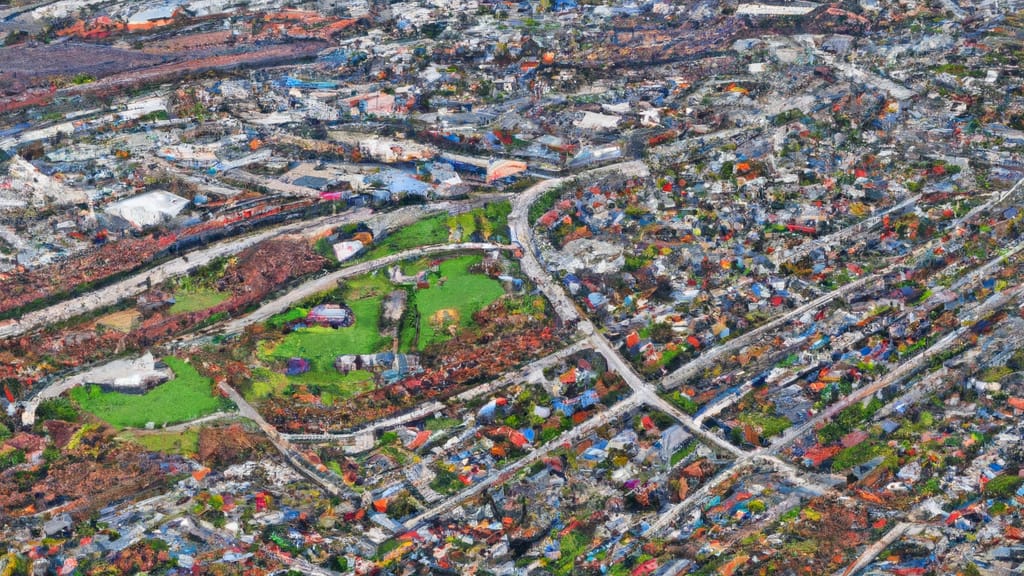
(548, 287)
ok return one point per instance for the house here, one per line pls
(672, 439)
(59, 524)
(297, 366)
(623, 441)
(333, 315)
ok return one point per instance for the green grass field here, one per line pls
(438, 229)
(195, 300)
(321, 345)
(187, 397)
(278, 320)
(331, 385)
(265, 384)
(185, 443)
(427, 231)
(466, 293)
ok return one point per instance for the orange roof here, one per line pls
(420, 440)
(632, 340)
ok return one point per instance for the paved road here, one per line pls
(522, 231)
(895, 90)
(191, 423)
(330, 281)
(875, 549)
(421, 412)
(846, 235)
(645, 394)
(327, 480)
(139, 283)
(567, 437)
(697, 365)
(903, 370)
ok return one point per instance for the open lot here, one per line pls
(462, 291)
(195, 300)
(187, 397)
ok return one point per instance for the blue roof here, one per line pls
(588, 399)
(398, 182)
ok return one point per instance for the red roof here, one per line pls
(645, 568)
(818, 454)
(569, 377)
(549, 218)
(420, 439)
(517, 439)
(632, 340)
(854, 438)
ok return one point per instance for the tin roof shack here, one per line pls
(149, 209)
(331, 315)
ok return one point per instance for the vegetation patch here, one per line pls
(122, 321)
(440, 229)
(462, 292)
(768, 424)
(196, 300)
(185, 443)
(321, 345)
(187, 397)
(423, 233)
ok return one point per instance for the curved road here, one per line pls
(140, 282)
(325, 283)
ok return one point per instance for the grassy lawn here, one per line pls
(438, 229)
(375, 284)
(435, 424)
(265, 384)
(321, 345)
(428, 231)
(859, 454)
(185, 443)
(122, 321)
(195, 300)
(464, 292)
(468, 222)
(187, 397)
(278, 320)
(334, 385)
(770, 425)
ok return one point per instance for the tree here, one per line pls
(662, 332)
(1003, 486)
(57, 409)
(485, 227)
(971, 570)
(15, 37)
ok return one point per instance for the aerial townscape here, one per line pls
(512, 288)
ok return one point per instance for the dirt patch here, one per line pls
(445, 317)
(230, 445)
(122, 321)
